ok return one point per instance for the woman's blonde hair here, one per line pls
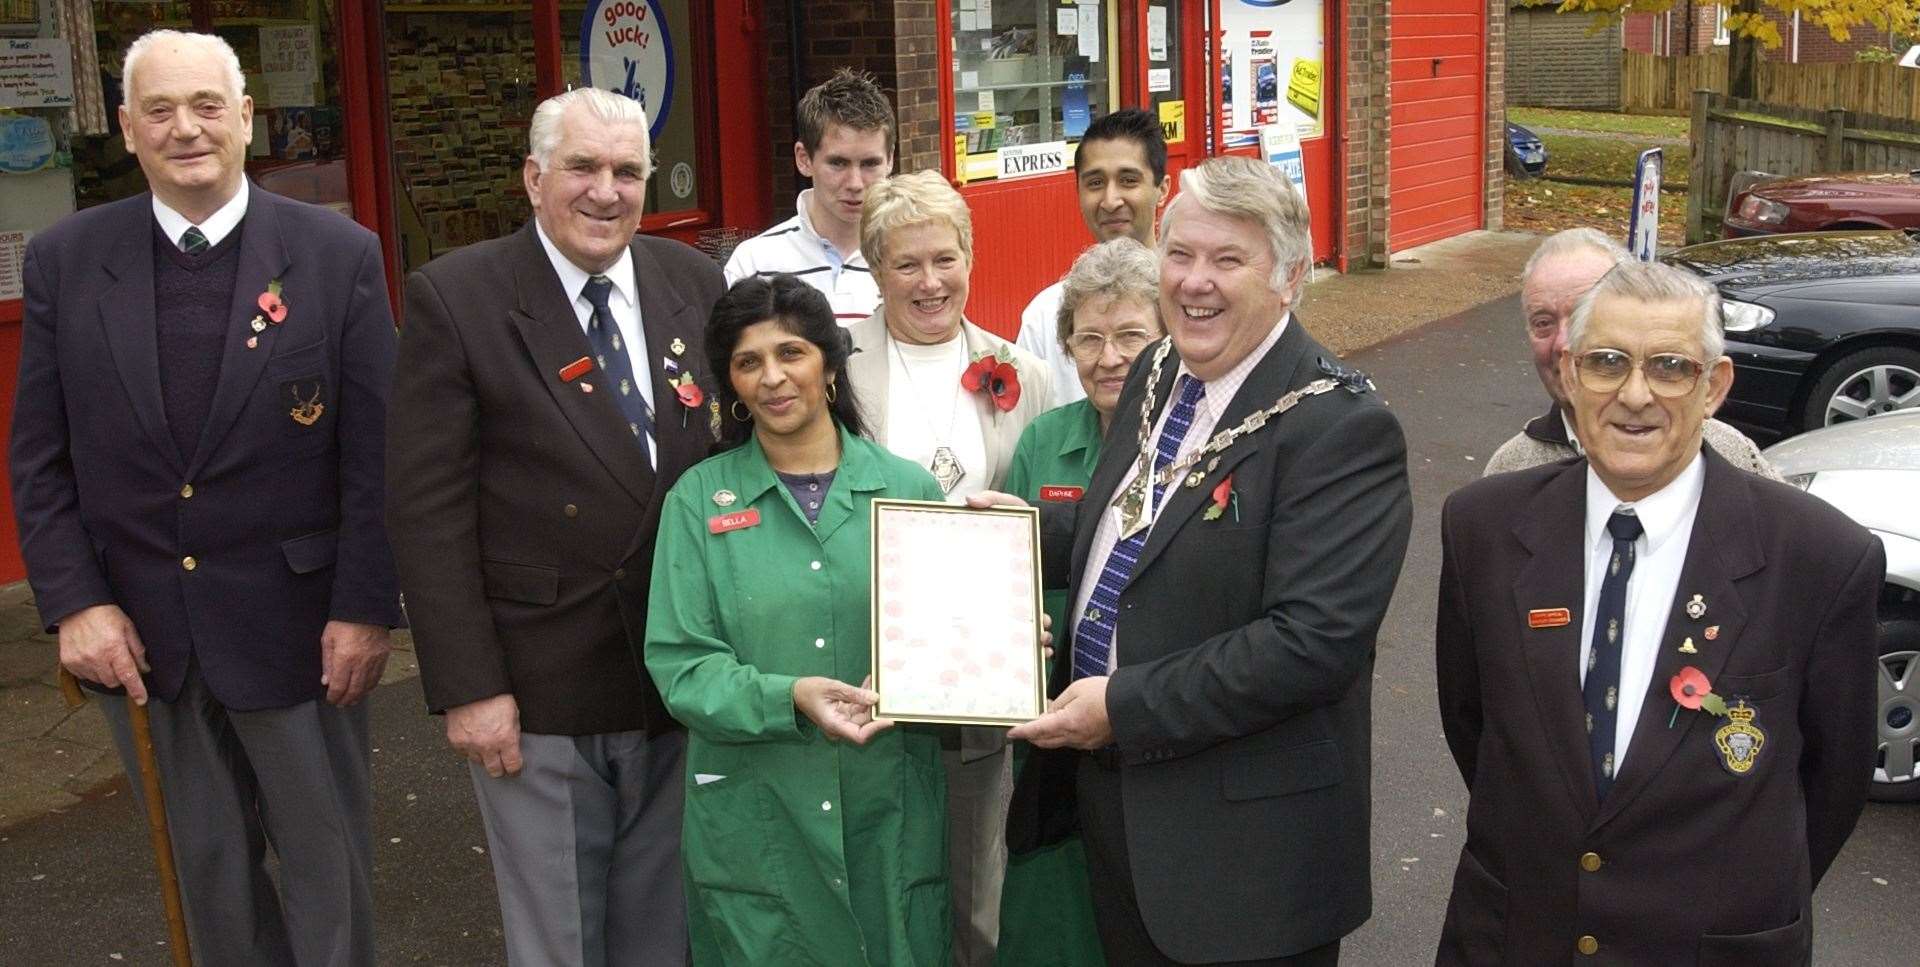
(902, 200)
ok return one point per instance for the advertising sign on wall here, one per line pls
(624, 48)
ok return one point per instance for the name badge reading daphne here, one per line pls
(733, 522)
(1062, 494)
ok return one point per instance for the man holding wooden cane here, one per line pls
(197, 468)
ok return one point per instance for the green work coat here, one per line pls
(1046, 911)
(797, 850)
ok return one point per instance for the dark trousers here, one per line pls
(1116, 909)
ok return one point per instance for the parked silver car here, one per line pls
(1870, 470)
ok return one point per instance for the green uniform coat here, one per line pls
(798, 850)
(1046, 913)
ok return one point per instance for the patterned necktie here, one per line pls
(610, 351)
(194, 241)
(1093, 644)
(1602, 688)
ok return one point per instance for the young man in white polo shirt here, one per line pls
(846, 144)
(1120, 171)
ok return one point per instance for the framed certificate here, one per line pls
(956, 613)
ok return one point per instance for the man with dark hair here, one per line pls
(845, 128)
(1120, 170)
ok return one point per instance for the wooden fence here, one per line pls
(1665, 85)
(1732, 135)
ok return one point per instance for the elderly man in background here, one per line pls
(1230, 564)
(1559, 272)
(197, 475)
(1651, 665)
(550, 392)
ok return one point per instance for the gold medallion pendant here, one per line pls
(1740, 740)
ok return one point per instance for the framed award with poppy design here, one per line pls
(956, 613)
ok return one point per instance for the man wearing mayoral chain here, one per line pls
(1656, 671)
(1229, 567)
(551, 389)
(197, 475)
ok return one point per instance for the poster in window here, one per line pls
(1271, 60)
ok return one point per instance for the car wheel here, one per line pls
(1870, 382)
(1896, 768)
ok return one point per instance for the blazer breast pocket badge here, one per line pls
(1740, 740)
(307, 398)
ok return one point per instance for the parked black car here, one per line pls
(1526, 154)
(1822, 327)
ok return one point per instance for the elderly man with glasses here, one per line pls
(1656, 673)
(1559, 272)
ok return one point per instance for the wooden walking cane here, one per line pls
(157, 829)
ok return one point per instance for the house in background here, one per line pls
(1700, 27)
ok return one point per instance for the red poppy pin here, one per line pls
(1692, 691)
(996, 377)
(1223, 496)
(273, 310)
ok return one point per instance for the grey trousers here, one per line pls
(235, 783)
(586, 850)
(978, 794)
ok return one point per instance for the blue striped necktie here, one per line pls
(611, 353)
(1601, 690)
(1093, 644)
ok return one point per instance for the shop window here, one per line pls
(1271, 61)
(461, 89)
(289, 52)
(1166, 70)
(1028, 76)
(644, 49)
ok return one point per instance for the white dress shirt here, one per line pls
(623, 302)
(1666, 518)
(218, 225)
(795, 248)
(1206, 416)
(1040, 335)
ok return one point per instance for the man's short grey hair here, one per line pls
(1576, 241)
(211, 45)
(606, 107)
(1245, 188)
(1656, 283)
(1121, 269)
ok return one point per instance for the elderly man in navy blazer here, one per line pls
(197, 471)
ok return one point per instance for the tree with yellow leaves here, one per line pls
(1753, 23)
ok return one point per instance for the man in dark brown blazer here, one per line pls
(549, 392)
(1656, 671)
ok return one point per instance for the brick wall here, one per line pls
(833, 35)
(1818, 47)
(1493, 197)
(1365, 121)
(1685, 29)
(918, 61)
(1560, 60)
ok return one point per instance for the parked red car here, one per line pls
(1817, 203)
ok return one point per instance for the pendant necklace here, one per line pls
(945, 465)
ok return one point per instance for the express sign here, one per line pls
(624, 48)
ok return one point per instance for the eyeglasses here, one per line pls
(1088, 346)
(1668, 374)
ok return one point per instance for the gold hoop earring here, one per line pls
(831, 396)
(735, 410)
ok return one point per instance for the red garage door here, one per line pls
(1438, 119)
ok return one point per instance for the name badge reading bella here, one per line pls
(1062, 494)
(733, 522)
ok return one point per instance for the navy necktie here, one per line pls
(610, 351)
(1093, 643)
(194, 241)
(1602, 688)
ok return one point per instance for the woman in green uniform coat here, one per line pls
(1109, 312)
(814, 833)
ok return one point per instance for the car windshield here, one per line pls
(1792, 258)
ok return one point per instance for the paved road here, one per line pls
(77, 886)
